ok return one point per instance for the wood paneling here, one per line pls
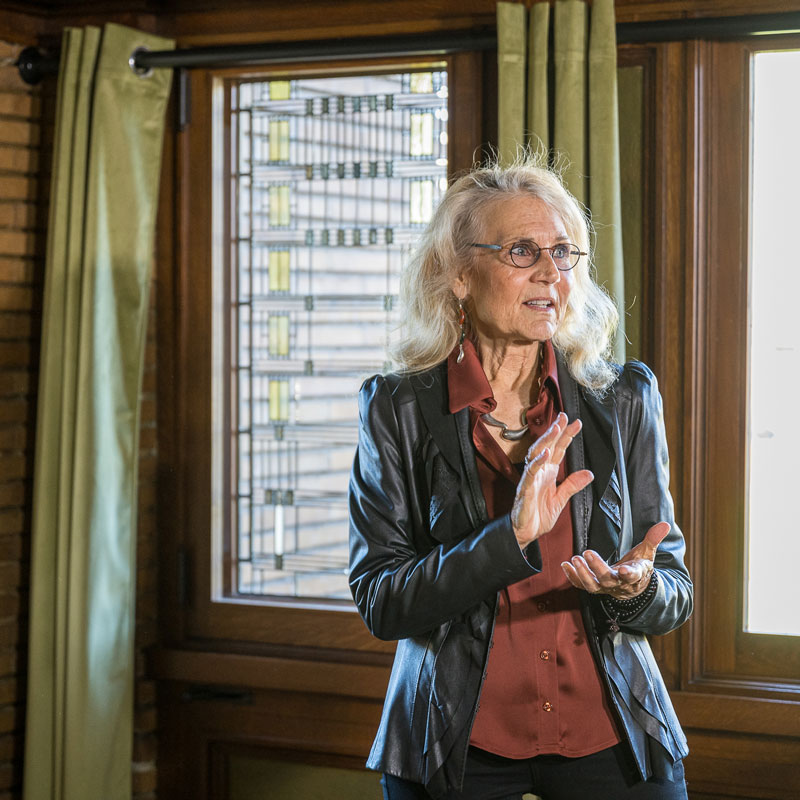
(204, 729)
(728, 764)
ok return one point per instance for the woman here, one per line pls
(520, 559)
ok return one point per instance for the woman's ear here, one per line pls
(460, 287)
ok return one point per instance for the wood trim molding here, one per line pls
(762, 716)
(18, 27)
(346, 679)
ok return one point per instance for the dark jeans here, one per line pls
(606, 775)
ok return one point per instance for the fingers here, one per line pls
(572, 575)
(532, 466)
(540, 452)
(593, 574)
(657, 533)
(635, 571)
(557, 438)
(549, 438)
(572, 484)
(539, 499)
(565, 439)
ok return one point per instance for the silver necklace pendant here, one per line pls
(509, 434)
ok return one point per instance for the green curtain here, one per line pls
(106, 164)
(579, 122)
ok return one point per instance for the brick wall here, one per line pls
(26, 122)
(21, 271)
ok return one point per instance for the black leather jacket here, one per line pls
(426, 564)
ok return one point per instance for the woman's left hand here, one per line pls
(626, 578)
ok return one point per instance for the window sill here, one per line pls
(304, 674)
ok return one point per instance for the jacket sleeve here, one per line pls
(647, 466)
(399, 591)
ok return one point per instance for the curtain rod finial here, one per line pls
(33, 65)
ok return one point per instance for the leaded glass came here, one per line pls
(332, 179)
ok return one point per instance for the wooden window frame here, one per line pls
(743, 725)
(724, 656)
(274, 626)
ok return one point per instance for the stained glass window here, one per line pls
(332, 180)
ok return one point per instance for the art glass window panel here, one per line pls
(332, 180)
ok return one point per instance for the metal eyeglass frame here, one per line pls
(510, 248)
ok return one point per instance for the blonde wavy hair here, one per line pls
(430, 329)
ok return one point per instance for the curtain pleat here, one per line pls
(578, 121)
(605, 183)
(106, 163)
(511, 79)
(569, 118)
(538, 67)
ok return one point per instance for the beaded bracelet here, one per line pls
(622, 611)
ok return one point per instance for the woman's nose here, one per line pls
(545, 268)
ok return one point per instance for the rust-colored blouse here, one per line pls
(543, 692)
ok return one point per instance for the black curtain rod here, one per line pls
(33, 64)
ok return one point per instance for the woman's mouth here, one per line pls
(540, 305)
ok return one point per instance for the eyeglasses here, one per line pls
(524, 253)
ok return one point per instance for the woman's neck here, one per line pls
(512, 371)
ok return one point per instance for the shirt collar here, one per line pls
(467, 384)
(550, 371)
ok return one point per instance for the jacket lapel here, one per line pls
(431, 390)
(591, 449)
(581, 503)
(605, 527)
(451, 435)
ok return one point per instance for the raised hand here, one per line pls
(539, 501)
(623, 580)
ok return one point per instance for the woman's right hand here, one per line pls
(539, 501)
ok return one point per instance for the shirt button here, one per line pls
(545, 655)
(542, 605)
(547, 706)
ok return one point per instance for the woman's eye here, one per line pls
(561, 251)
(521, 249)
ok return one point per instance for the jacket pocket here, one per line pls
(611, 501)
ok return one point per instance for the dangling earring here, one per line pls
(462, 321)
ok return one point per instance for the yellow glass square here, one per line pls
(279, 335)
(279, 140)
(279, 206)
(279, 401)
(422, 82)
(279, 271)
(280, 90)
(421, 134)
(421, 201)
